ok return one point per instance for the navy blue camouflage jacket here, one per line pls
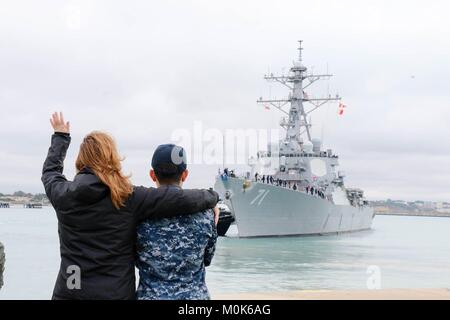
(172, 254)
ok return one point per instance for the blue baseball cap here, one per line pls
(169, 159)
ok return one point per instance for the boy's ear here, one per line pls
(184, 175)
(153, 175)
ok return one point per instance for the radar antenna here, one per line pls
(297, 81)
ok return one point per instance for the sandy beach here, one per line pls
(383, 294)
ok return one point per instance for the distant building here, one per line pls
(429, 205)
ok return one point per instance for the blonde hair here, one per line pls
(98, 152)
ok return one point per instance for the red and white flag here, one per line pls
(305, 95)
(341, 109)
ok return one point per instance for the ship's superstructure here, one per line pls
(306, 193)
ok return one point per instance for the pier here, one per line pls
(33, 206)
(4, 205)
(381, 294)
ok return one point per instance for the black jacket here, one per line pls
(96, 237)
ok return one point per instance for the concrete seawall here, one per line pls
(383, 294)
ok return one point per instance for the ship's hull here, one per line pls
(268, 210)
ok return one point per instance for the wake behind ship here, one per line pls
(294, 188)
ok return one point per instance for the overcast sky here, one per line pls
(142, 69)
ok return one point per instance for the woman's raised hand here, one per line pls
(58, 123)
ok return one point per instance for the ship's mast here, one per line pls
(297, 81)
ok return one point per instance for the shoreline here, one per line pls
(357, 294)
(400, 214)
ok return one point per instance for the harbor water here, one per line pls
(403, 252)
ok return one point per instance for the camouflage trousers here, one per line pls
(2, 263)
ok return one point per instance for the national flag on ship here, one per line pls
(341, 109)
(305, 95)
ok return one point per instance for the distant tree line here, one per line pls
(34, 197)
(22, 194)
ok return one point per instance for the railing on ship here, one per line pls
(321, 154)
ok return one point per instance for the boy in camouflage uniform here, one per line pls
(172, 253)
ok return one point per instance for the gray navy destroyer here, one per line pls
(305, 192)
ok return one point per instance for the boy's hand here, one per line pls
(58, 123)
